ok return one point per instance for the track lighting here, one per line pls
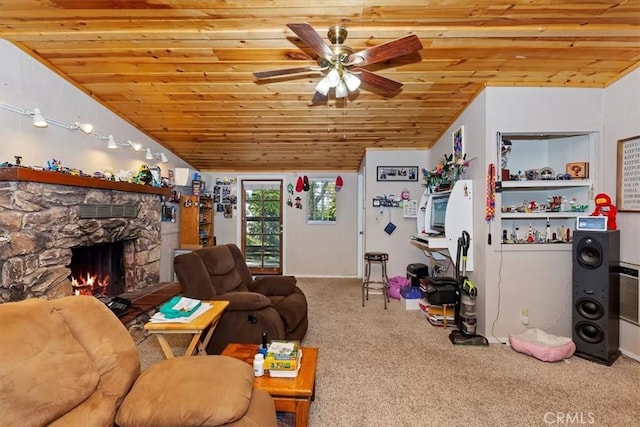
(38, 119)
(135, 145)
(84, 127)
(111, 143)
(157, 155)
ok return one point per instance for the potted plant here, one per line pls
(446, 172)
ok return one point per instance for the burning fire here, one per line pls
(91, 286)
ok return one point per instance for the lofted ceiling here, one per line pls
(182, 70)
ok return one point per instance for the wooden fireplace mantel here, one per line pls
(59, 178)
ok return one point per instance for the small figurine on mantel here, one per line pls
(54, 165)
(143, 176)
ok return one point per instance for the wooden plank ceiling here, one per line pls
(181, 70)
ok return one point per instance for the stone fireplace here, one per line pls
(41, 224)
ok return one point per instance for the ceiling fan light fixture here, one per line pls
(333, 78)
(323, 86)
(352, 81)
(341, 90)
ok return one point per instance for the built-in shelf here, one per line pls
(543, 184)
(59, 178)
(542, 215)
(533, 247)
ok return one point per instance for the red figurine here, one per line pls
(604, 207)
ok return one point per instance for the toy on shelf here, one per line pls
(143, 176)
(604, 207)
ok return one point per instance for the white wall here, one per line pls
(508, 281)
(539, 281)
(59, 100)
(622, 120)
(401, 252)
(320, 250)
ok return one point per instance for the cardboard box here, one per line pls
(578, 170)
(410, 304)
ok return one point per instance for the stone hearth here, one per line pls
(39, 224)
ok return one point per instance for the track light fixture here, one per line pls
(157, 155)
(135, 145)
(111, 143)
(39, 120)
(84, 127)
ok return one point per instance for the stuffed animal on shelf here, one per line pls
(144, 176)
(604, 207)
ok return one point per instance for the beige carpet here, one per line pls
(392, 368)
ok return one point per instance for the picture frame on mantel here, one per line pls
(457, 139)
(397, 173)
(628, 179)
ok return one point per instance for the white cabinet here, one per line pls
(536, 206)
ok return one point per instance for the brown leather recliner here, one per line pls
(271, 304)
(71, 362)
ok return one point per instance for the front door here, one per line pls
(262, 225)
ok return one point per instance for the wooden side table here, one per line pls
(208, 319)
(293, 395)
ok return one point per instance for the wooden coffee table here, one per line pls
(208, 319)
(289, 394)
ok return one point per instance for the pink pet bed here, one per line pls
(543, 346)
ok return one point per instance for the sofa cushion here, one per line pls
(189, 391)
(112, 351)
(45, 360)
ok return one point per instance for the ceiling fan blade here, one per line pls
(392, 49)
(318, 99)
(283, 72)
(377, 82)
(310, 36)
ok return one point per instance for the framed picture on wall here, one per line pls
(628, 180)
(458, 143)
(397, 173)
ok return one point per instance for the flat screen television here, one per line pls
(438, 211)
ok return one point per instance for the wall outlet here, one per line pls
(524, 316)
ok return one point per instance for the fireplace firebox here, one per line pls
(99, 270)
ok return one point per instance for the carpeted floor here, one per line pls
(390, 367)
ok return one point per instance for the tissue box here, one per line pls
(410, 298)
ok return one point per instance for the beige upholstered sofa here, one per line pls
(71, 362)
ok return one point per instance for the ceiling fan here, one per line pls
(341, 66)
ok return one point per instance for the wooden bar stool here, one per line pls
(380, 258)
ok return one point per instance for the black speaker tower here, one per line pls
(596, 295)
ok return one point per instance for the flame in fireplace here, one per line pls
(92, 285)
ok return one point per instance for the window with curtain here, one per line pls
(321, 203)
